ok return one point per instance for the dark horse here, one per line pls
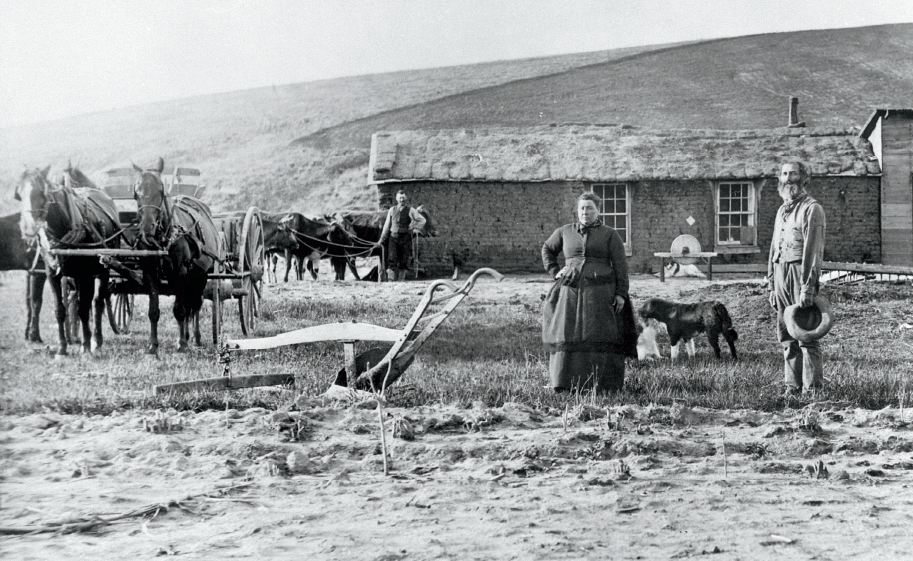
(20, 254)
(71, 218)
(183, 227)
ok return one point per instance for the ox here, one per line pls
(278, 239)
(315, 237)
(365, 228)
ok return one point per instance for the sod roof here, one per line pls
(612, 153)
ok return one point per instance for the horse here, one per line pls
(71, 217)
(183, 227)
(20, 254)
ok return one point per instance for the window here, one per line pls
(616, 208)
(736, 214)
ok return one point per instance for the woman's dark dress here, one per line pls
(580, 330)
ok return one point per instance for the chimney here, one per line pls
(794, 113)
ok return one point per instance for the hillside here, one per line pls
(240, 139)
(305, 146)
(840, 76)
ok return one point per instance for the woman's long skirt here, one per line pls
(580, 370)
(583, 334)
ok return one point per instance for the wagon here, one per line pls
(237, 275)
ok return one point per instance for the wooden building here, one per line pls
(891, 133)
(498, 193)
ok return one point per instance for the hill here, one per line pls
(839, 75)
(240, 139)
(305, 146)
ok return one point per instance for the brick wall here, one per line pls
(503, 225)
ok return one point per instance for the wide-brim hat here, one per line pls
(809, 324)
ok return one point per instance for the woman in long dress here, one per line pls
(582, 325)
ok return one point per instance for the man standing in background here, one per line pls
(401, 221)
(796, 255)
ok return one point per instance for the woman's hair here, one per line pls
(588, 196)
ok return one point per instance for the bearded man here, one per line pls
(796, 256)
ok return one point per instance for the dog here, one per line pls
(685, 321)
(673, 269)
(646, 343)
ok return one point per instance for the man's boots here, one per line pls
(401, 275)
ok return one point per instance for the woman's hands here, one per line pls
(568, 276)
(619, 304)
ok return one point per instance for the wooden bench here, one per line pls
(706, 256)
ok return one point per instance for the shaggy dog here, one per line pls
(685, 321)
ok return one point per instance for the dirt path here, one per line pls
(510, 482)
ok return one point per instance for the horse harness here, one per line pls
(77, 207)
(169, 227)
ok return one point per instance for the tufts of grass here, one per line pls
(485, 353)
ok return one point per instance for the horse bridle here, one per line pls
(46, 191)
(162, 209)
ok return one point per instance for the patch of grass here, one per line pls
(486, 352)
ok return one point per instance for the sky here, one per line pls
(62, 57)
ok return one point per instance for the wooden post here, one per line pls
(348, 348)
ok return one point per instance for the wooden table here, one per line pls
(706, 256)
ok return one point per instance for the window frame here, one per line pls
(754, 200)
(627, 214)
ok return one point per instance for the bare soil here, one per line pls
(820, 481)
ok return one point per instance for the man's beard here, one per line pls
(789, 191)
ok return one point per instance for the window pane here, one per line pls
(724, 205)
(724, 190)
(614, 207)
(724, 220)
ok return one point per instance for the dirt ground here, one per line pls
(824, 482)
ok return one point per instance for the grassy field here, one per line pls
(487, 351)
(305, 146)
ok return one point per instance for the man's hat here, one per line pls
(809, 324)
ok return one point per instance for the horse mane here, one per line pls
(37, 172)
(78, 178)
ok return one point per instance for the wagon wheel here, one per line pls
(251, 264)
(216, 295)
(123, 312)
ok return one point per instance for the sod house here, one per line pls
(497, 194)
